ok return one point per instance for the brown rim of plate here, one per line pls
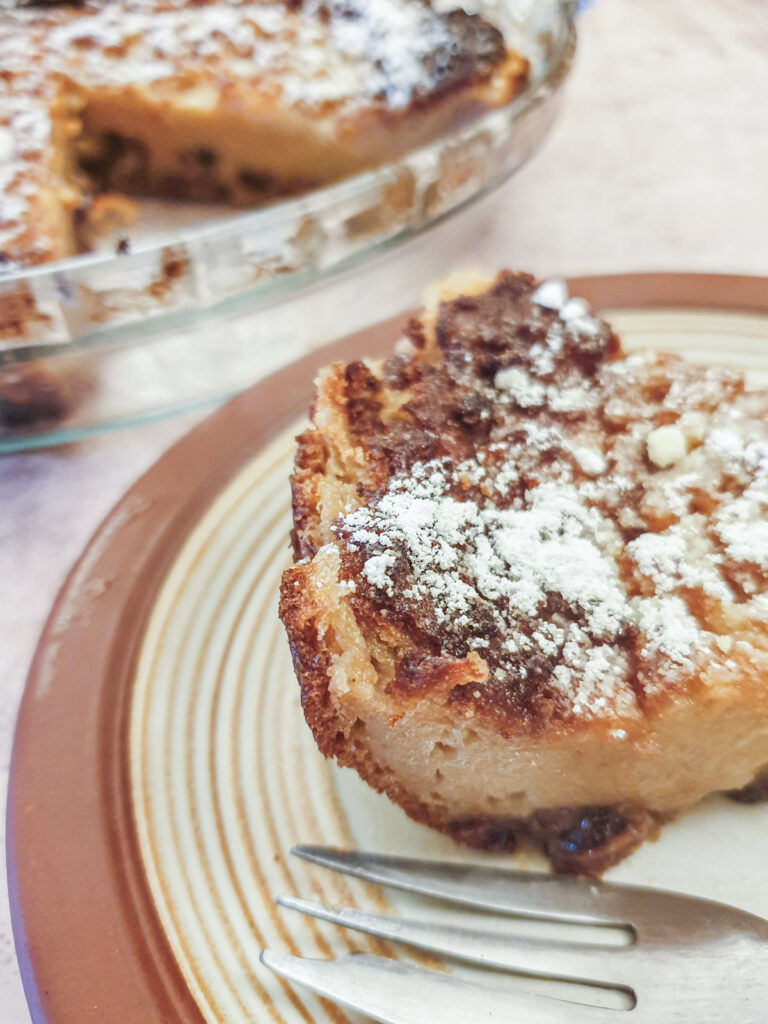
(89, 942)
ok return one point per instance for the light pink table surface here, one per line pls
(659, 161)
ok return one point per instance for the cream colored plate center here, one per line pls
(226, 776)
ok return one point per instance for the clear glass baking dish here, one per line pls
(108, 340)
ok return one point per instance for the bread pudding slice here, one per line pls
(530, 591)
(236, 101)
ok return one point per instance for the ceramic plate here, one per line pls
(162, 768)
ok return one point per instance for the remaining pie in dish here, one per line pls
(228, 100)
(530, 595)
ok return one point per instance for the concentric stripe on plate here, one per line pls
(214, 747)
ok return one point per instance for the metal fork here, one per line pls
(687, 959)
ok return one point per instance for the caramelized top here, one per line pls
(593, 526)
(313, 52)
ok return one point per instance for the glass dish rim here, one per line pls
(290, 211)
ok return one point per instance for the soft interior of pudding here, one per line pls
(196, 151)
(190, 144)
(464, 767)
(199, 140)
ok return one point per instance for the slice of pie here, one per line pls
(238, 101)
(530, 595)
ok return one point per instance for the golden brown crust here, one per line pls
(309, 467)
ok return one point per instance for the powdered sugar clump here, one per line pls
(743, 525)
(574, 312)
(680, 556)
(672, 634)
(551, 294)
(376, 571)
(520, 386)
(591, 461)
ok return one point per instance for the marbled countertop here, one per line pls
(658, 162)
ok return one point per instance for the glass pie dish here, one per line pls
(193, 314)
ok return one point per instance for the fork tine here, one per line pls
(394, 993)
(520, 893)
(572, 961)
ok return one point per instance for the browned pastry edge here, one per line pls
(756, 792)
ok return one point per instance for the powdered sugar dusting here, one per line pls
(332, 51)
(469, 562)
(538, 534)
(581, 571)
(392, 38)
(680, 556)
